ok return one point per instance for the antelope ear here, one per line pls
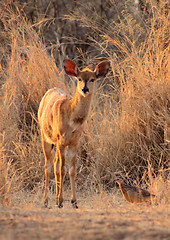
(102, 69)
(70, 67)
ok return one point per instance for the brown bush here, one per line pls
(127, 129)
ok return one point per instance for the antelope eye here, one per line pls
(92, 80)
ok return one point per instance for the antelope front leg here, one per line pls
(47, 167)
(72, 153)
(57, 176)
(61, 154)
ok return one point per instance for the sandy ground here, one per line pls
(103, 216)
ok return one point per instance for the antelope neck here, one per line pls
(80, 105)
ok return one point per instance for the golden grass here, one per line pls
(133, 115)
(127, 132)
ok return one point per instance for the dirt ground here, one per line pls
(100, 216)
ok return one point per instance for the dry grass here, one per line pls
(29, 74)
(127, 132)
(133, 113)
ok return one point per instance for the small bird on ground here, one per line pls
(134, 194)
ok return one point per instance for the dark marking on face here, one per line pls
(49, 131)
(79, 120)
(49, 134)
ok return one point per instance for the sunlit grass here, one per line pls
(127, 130)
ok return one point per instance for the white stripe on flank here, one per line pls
(49, 165)
(71, 170)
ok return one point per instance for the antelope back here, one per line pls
(48, 104)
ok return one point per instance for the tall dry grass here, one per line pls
(127, 132)
(29, 72)
(130, 119)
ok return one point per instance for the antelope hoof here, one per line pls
(57, 203)
(46, 203)
(74, 204)
(60, 205)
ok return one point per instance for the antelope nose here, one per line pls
(85, 89)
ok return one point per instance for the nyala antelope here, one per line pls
(61, 120)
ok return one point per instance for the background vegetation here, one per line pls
(128, 130)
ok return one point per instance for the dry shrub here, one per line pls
(29, 73)
(3, 179)
(129, 121)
